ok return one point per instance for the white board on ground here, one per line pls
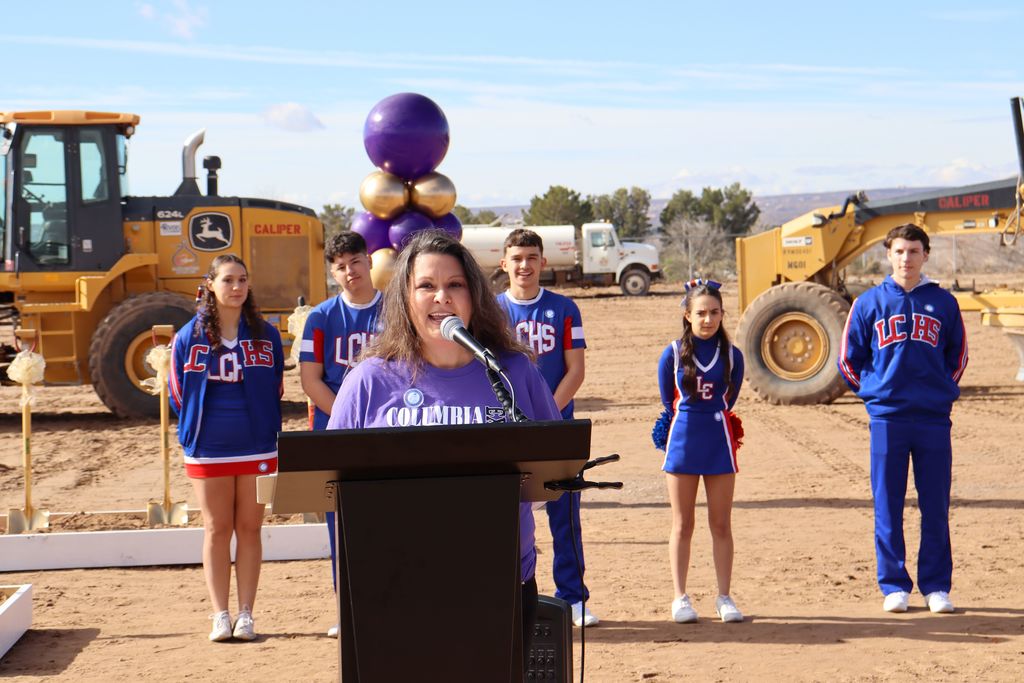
(147, 547)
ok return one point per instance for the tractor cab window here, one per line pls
(122, 164)
(43, 197)
(3, 198)
(93, 163)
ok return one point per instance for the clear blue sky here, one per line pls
(782, 97)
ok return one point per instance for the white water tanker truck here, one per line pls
(598, 258)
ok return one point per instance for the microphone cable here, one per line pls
(505, 397)
(579, 573)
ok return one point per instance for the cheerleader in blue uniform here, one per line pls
(700, 375)
(226, 385)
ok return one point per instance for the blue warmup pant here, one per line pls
(568, 585)
(893, 446)
(334, 551)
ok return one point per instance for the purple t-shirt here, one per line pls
(379, 393)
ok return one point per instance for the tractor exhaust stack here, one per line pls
(189, 185)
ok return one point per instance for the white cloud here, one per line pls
(181, 19)
(292, 116)
(962, 171)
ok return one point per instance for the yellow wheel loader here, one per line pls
(92, 268)
(793, 294)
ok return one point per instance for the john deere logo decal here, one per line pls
(210, 231)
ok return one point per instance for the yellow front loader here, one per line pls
(93, 268)
(792, 289)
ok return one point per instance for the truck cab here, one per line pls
(632, 264)
(91, 269)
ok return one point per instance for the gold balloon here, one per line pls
(383, 194)
(433, 194)
(382, 263)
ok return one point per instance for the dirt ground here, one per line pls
(804, 572)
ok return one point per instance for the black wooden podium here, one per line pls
(428, 539)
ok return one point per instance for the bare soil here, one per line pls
(804, 572)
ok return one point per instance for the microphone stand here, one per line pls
(577, 483)
(504, 397)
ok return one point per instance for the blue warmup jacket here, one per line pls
(263, 365)
(904, 352)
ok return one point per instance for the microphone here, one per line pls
(454, 330)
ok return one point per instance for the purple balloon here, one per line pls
(405, 226)
(374, 230)
(406, 134)
(451, 224)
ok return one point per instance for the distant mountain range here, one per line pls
(775, 209)
(980, 254)
(779, 208)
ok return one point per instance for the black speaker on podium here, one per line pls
(550, 656)
(424, 512)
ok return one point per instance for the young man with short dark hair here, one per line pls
(904, 351)
(550, 324)
(336, 332)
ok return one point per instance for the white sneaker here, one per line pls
(896, 601)
(332, 632)
(727, 610)
(582, 616)
(221, 630)
(939, 602)
(682, 611)
(244, 628)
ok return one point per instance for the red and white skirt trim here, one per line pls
(204, 467)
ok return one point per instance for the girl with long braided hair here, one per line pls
(226, 385)
(699, 376)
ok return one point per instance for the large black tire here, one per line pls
(119, 345)
(635, 282)
(791, 335)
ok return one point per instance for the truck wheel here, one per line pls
(791, 335)
(635, 282)
(117, 353)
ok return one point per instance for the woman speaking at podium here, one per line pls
(413, 376)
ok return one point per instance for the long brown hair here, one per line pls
(206, 304)
(398, 339)
(686, 341)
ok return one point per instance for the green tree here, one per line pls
(625, 209)
(731, 209)
(336, 218)
(558, 206)
(485, 216)
(467, 217)
(683, 204)
(464, 215)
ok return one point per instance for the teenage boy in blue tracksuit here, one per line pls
(551, 326)
(336, 333)
(904, 351)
